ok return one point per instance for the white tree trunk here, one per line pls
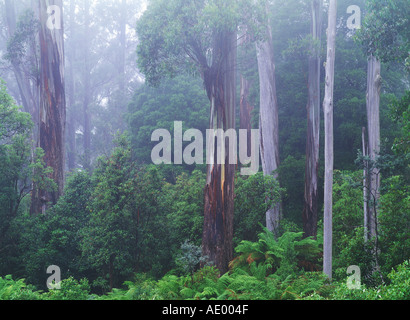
(373, 129)
(268, 121)
(329, 156)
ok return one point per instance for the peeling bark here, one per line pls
(71, 128)
(220, 84)
(52, 111)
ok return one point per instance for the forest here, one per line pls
(204, 150)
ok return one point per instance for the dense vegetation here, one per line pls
(126, 229)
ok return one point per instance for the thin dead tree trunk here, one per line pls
(310, 210)
(220, 84)
(52, 101)
(269, 120)
(328, 104)
(365, 184)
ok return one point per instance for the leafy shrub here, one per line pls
(70, 289)
(190, 257)
(16, 290)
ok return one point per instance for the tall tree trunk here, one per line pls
(245, 110)
(86, 102)
(71, 128)
(268, 120)
(220, 84)
(373, 129)
(245, 107)
(122, 49)
(329, 156)
(52, 105)
(365, 184)
(313, 125)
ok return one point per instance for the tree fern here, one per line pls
(283, 255)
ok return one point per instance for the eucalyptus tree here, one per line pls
(201, 36)
(385, 38)
(310, 210)
(328, 104)
(52, 107)
(268, 115)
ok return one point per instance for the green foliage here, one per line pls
(394, 222)
(183, 203)
(188, 33)
(251, 204)
(70, 289)
(56, 237)
(282, 256)
(190, 258)
(12, 121)
(291, 173)
(397, 289)
(20, 166)
(123, 212)
(16, 290)
(179, 99)
(385, 31)
(23, 37)
(400, 113)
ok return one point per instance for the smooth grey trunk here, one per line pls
(245, 110)
(310, 210)
(86, 101)
(328, 104)
(373, 129)
(122, 49)
(268, 120)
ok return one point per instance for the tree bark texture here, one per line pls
(329, 156)
(310, 210)
(220, 84)
(52, 113)
(71, 127)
